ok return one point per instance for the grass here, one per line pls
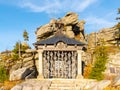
(9, 84)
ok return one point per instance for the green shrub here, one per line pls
(3, 74)
(99, 67)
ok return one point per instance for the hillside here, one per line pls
(26, 67)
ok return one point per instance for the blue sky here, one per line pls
(18, 15)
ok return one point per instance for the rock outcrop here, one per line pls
(84, 84)
(33, 85)
(113, 65)
(25, 68)
(116, 81)
(69, 25)
(107, 35)
(101, 85)
(70, 19)
(20, 74)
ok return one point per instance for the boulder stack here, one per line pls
(69, 25)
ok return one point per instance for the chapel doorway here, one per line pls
(60, 64)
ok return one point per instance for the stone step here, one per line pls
(68, 84)
(71, 84)
(63, 85)
(63, 81)
(65, 88)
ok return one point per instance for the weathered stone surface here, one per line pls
(69, 25)
(103, 84)
(27, 59)
(28, 64)
(44, 87)
(70, 18)
(16, 66)
(113, 64)
(30, 51)
(69, 32)
(116, 81)
(44, 31)
(89, 85)
(17, 87)
(19, 74)
(33, 74)
(26, 67)
(26, 55)
(68, 28)
(81, 24)
(27, 87)
(37, 88)
(114, 58)
(32, 85)
(106, 34)
(97, 85)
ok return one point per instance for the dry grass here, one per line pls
(9, 84)
(112, 88)
(1, 84)
(113, 49)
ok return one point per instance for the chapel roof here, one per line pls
(59, 37)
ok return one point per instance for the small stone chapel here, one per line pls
(59, 57)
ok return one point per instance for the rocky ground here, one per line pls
(68, 84)
(33, 85)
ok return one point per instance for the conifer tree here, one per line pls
(99, 64)
(25, 35)
(3, 74)
(117, 33)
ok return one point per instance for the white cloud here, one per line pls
(57, 6)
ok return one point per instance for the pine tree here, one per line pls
(19, 49)
(16, 51)
(117, 33)
(3, 75)
(25, 35)
(99, 64)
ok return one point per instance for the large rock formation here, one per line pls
(26, 67)
(20, 74)
(70, 19)
(107, 35)
(69, 25)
